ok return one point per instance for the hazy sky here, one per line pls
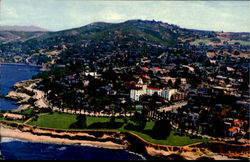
(229, 16)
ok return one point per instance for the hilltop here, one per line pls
(99, 39)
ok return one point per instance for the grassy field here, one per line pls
(172, 139)
(55, 120)
(26, 111)
(63, 121)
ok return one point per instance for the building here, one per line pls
(142, 89)
(150, 91)
(168, 93)
(138, 90)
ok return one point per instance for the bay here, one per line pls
(9, 75)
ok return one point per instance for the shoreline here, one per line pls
(148, 152)
(12, 132)
(21, 64)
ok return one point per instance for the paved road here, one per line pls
(173, 107)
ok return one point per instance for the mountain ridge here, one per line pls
(132, 37)
(30, 28)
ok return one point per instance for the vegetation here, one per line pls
(64, 121)
(80, 123)
(161, 129)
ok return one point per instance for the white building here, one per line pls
(142, 89)
(151, 91)
(138, 90)
(167, 93)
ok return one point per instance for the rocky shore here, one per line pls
(23, 93)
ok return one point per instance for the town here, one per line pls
(201, 89)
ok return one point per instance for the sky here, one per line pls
(54, 15)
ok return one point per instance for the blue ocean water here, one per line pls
(9, 75)
(13, 149)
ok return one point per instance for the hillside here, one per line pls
(21, 28)
(133, 37)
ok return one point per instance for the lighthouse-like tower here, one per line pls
(138, 90)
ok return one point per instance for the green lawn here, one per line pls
(149, 125)
(63, 121)
(172, 139)
(92, 119)
(55, 120)
(26, 111)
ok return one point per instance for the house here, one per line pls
(94, 74)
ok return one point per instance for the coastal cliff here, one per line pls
(108, 139)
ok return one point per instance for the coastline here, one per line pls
(22, 64)
(12, 132)
(66, 137)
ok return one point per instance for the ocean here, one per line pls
(9, 75)
(15, 149)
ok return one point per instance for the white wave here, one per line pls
(8, 139)
(143, 158)
(90, 145)
(62, 148)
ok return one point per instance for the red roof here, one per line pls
(137, 88)
(154, 88)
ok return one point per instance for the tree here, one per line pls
(170, 83)
(140, 119)
(161, 129)
(80, 123)
(177, 83)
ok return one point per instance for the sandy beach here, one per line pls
(6, 131)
